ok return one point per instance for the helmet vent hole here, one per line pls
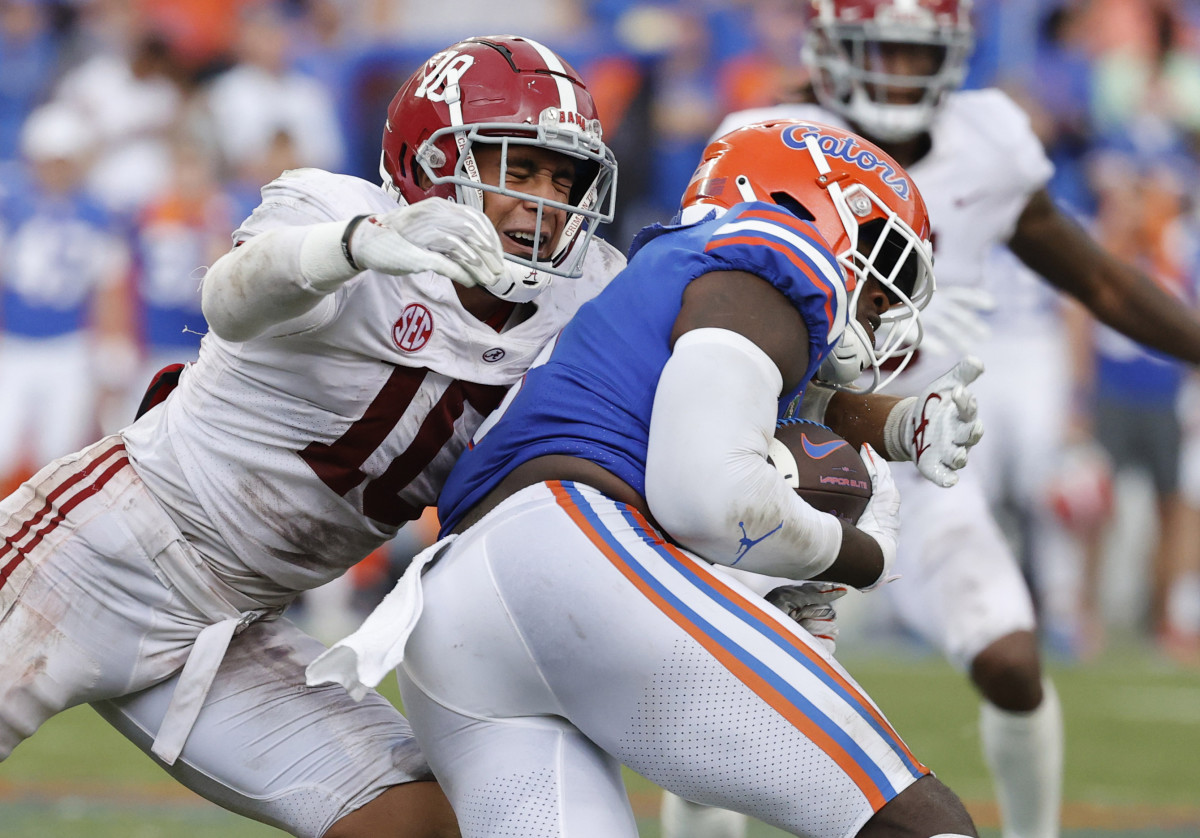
(894, 247)
(793, 206)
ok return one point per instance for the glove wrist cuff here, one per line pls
(325, 261)
(897, 442)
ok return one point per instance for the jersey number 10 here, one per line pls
(339, 464)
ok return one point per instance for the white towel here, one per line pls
(180, 566)
(359, 662)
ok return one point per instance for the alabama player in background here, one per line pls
(358, 336)
(889, 70)
(574, 620)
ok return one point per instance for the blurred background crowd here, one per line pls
(135, 136)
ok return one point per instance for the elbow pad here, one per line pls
(708, 481)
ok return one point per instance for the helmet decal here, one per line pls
(849, 148)
(442, 74)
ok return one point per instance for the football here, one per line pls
(822, 467)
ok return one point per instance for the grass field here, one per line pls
(1132, 759)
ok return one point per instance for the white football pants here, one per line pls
(562, 637)
(87, 615)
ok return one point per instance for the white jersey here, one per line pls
(983, 166)
(308, 446)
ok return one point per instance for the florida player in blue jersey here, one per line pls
(573, 621)
(64, 314)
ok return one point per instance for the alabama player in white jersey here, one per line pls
(889, 70)
(359, 334)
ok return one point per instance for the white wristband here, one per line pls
(324, 262)
(896, 441)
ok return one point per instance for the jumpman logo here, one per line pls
(919, 444)
(747, 542)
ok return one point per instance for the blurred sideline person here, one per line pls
(358, 335)
(889, 70)
(184, 226)
(1183, 602)
(65, 349)
(574, 620)
(1134, 393)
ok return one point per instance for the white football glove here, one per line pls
(936, 429)
(955, 323)
(881, 518)
(811, 605)
(436, 234)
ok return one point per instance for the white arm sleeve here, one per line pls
(274, 277)
(708, 482)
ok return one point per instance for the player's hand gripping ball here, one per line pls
(822, 467)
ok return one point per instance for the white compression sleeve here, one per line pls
(708, 482)
(274, 277)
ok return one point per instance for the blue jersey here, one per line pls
(592, 398)
(176, 236)
(1129, 374)
(57, 251)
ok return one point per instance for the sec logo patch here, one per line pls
(412, 331)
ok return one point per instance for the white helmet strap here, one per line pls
(453, 99)
(833, 187)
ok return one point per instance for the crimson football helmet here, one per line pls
(505, 91)
(848, 47)
(862, 203)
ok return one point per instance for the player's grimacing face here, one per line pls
(537, 172)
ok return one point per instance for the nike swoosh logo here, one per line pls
(821, 450)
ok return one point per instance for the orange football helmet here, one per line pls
(864, 205)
